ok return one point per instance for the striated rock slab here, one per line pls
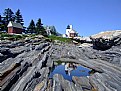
(106, 64)
(82, 83)
(25, 70)
(29, 70)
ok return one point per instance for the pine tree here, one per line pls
(18, 17)
(31, 27)
(40, 29)
(2, 24)
(38, 26)
(8, 16)
(0, 18)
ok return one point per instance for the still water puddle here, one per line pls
(67, 70)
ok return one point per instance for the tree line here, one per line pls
(9, 15)
(36, 28)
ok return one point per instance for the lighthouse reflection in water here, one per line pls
(68, 70)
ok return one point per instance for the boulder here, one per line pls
(104, 44)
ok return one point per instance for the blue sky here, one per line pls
(87, 16)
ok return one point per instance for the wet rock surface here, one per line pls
(26, 66)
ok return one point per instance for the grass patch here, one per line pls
(59, 62)
(61, 39)
(14, 37)
(32, 35)
(6, 36)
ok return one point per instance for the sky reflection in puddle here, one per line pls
(67, 70)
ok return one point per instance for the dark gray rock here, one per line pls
(40, 46)
(104, 44)
(82, 82)
(62, 84)
(29, 70)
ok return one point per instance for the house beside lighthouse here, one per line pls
(14, 28)
(70, 32)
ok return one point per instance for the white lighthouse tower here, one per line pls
(70, 32)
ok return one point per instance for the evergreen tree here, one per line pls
(40, 29)
(8, 16)
(0, 18)
(31, 27)
(2, 24)
(18, 17)
(38, 26)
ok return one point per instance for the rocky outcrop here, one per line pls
(107, 34)
(107, 65)
(22, 71)
(104, 44)
(33, 61)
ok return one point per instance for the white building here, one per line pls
(48, 30)
(70, 32)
